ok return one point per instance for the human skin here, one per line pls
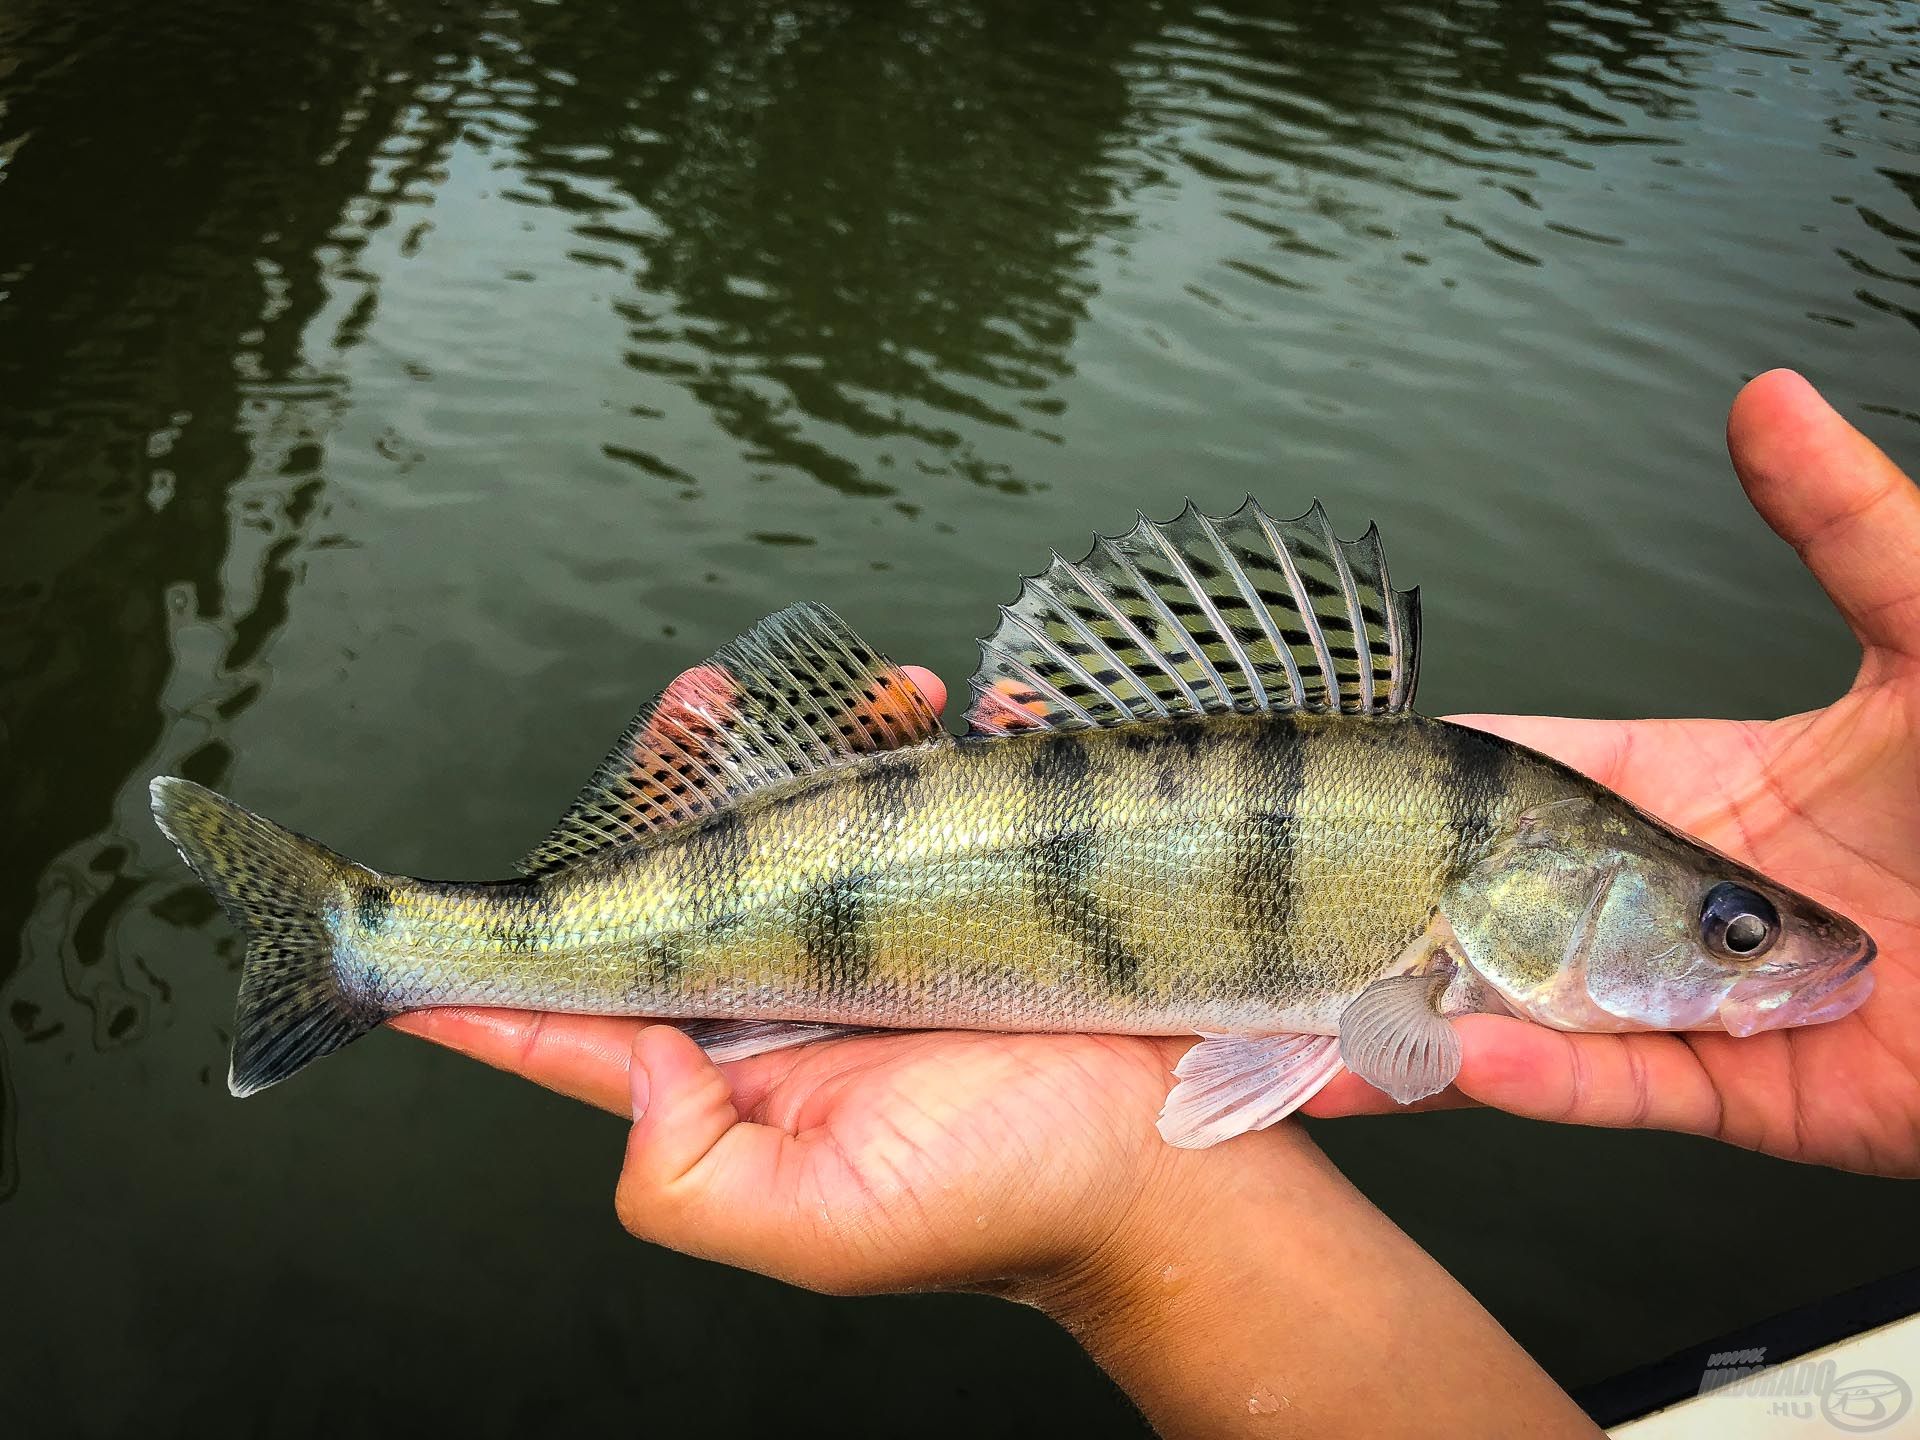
(1827, 801)
(1248, 1288)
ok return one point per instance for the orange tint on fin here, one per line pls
(1006, 707)
(706, 693)
(690, 712)
(798, 693)
(890, 713)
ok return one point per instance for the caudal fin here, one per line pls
(276, 887)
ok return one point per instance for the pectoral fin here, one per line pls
(1394, 1037)
(1230, 1084)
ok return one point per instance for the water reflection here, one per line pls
(854, 236)
(163, 436)
(535, 327)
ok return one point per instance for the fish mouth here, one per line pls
(1838, 993)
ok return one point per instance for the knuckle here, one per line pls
(1639, 1088)
(646, 1211)
(1579, 1089)
(632, 1216)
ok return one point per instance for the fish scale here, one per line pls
(1041, 882)
(1193, 800)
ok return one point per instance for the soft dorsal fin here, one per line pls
(1202, 615)
(797, 693)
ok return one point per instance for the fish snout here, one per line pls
(1777, 1002)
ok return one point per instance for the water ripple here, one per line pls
(395, 392)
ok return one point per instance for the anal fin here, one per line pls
(1230, 1084)
(728, 1040)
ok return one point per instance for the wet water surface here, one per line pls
(393, 394)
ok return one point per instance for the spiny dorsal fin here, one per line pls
(1202, 615)
(797, 693)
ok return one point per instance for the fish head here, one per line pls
(1589, 914)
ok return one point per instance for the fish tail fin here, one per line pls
(277, 887)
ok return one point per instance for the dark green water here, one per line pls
(393, 394)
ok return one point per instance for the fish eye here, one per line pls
(1738, 923)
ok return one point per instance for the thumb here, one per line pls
(1829, 492)
(697, 1177)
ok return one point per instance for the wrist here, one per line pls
(1251, 1279)
(1182, 1238)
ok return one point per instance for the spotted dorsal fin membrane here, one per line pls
(1202, 615)
(797, 693)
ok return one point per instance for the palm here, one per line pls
(897, 1153)
(852, 1165)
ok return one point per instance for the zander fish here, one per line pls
(1192, 799)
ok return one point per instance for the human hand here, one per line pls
(1029, 1166)
(1827, 802)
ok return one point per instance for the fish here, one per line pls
(1193, 798)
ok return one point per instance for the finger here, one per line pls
(681, 1106)
(697, 1177)
(1599, 748)
(582, 1056)
(1829, 492)
(1347, 1094)
(1644, 1081)
(1640, 759)
(930, 685)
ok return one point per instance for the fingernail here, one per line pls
(639, 1087)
